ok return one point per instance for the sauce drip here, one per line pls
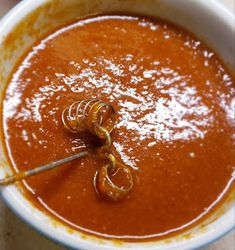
(175, 128)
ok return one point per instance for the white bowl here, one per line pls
(30, 19)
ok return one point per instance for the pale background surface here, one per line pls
(15, 235)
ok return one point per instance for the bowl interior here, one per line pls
(30, 20)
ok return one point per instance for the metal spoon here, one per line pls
(25, 174)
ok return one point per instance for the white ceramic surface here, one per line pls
(205, 18)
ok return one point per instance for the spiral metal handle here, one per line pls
(88, 115)
(98, 118)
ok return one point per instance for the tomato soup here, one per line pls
(175, 128)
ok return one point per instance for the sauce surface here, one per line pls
(175, 129)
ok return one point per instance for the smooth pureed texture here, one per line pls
(175, 127)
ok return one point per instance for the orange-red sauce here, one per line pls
(175, 129)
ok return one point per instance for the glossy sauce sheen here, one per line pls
(175, 129)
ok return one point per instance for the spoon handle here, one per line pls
(25, 174)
